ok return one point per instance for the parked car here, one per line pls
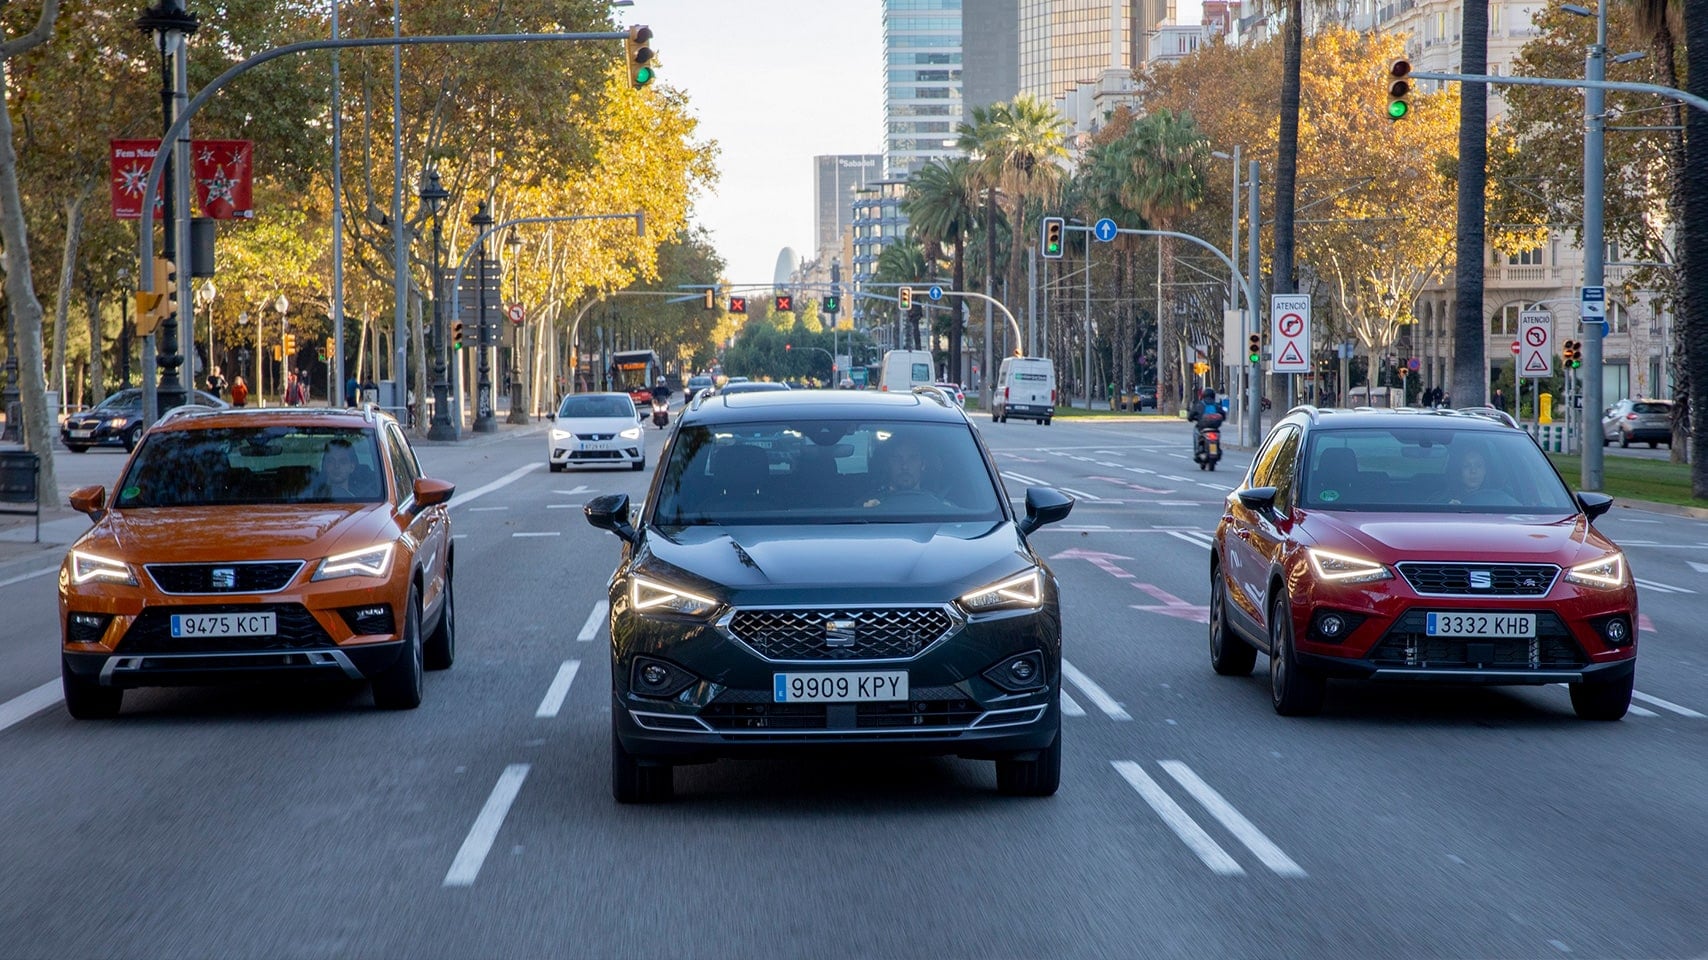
(285, 541)
(116, 421)
(596, 429)
(1435, 546)
(953, 390)
(1638, 421)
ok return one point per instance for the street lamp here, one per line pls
(1249, 323)
(124, 329)
(283, 305)
(517, 414)
(434, 195)
(170, 26)
(204, 298)
(483, 419)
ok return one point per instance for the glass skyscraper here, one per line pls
(922, 89)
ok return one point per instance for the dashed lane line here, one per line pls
(1660, 587)
(1243, 830)
(1080, 493)
(28, 704)
(595, 620)
(33, 574)
(559, 689)
(1668, 705)
(1099, 697)
(542, 533)
(1070, 706)
(1178, 820)
(466, 866)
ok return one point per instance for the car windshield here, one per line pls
(597, 408)
(120, 400)
(826, 472)
(1431, 470)
(254, 465)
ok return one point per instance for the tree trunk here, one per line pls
(26, 313)
(1287, 148)
(959, 304)
(1693, 231)
(1470, 384)
(97, 346)
(1665, 53)
(62, 296)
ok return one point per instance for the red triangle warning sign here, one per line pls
(1290, 354)
(1537, 363)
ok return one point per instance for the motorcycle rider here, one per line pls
(661, 392)
(1205, 414)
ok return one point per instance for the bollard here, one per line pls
(1545, 408)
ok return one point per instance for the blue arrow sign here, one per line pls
(936, 292)
(1104, 230)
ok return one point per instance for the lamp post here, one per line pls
(517, 414)
(283, 305)
(1241, 369)
(204, 298)
(1594, 235)
(484, 422)
(124, 330)
(434, 195)
(171, 26)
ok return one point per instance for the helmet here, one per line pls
(660, 382)
(1209, 394)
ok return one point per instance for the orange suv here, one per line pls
(266, 541)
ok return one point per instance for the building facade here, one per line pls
(877, 222)
(990, 44)
(922, 86)
(836, 179)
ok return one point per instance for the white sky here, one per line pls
(775, 83)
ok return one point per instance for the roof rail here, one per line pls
(368, 411)
(933, 393)
(1490, 413)
(180, 410)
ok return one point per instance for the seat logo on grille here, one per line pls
(224, 578)
(840, 633)
(1481, 580)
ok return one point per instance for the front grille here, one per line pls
(1480, 579)
(1406, 645)
(879, 633)
(152, 631)
(244, 577)
(595, 454)
(595, 436)
(786, 717)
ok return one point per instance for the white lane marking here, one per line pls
(1660, 587)
(571, 493)
(1099, 697)
(26, 705)
(1698, 567)
(1635, 520)
(1080, 493)
(563, 506)
(1640, 711)
(1030, 481)
(1139, 470)
(595, 620)
(1214, 486)
(478, 843)
(1177, 503)
(1243, 830)
(463, 499)
(1087, 527)
(20, 578)
(1070, 706)
(1193, 537)
(546, 533)
(486, 509)
(459, 536)
(1667, 705)
(1178, 820)
(1166, 476)
(559, 689)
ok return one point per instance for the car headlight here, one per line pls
(1021, 592)
(1607, 573)
(117, 422)
(632, 433)
(1340, 568)
(89, 566)
(367, 562)
(559, 434)
(655, 596)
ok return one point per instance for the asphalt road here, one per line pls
(285, 822)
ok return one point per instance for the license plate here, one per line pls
(224, 624)
(1497, 625)
(839, 687)
(80, 434)
(598, 445)
(1215, 449)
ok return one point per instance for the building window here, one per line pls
(1505, 323)
(1526, 258)
(1618, 319)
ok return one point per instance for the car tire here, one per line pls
(1296, 690)
(640, 464)
(132, 437)
(1605, 700)
(1229, 655)
(1048, 421)
(634, 782)
(1652, 444)
(556, 467)
(1624, 442)
(77, 447)
(1039, 776)
(399, 686)
(441, 648)
(1212, 466)
(87, 699)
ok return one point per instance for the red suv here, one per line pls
(1418, 546)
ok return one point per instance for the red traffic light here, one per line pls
(785, 303)
(787, 347)
(737, 304)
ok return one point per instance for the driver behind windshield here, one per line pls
(903, 469)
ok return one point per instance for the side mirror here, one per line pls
(1260, 499)
(611, 512)
(1045, 505)
(429, 493)
(1593, 504)
(90, 500)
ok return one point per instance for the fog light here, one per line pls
(654, 674)
(658, 678)
(1018, 673)
(1022, 669)
(1616, 630)
(1331, 625)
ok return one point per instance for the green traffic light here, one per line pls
(1397, 109)
(643, 76)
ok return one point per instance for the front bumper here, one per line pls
(127, 671)
(98, 435)
(1039, 410)
(570, 451)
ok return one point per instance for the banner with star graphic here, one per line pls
(221, 171)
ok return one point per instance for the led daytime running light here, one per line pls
(1025, 590)
(652, 595)
(88, 566)
(1608, 572)
(369, 562)
(1340, 568)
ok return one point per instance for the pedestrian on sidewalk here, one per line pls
(239, 392)
(216, 383)
(295, 394)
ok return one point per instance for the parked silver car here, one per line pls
(1638, 421)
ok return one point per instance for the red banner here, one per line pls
(221, 170)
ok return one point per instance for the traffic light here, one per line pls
(1053, 228)
(639, 49)
(1399, 90)
(906, 294)
(711, 297)
(1573, 351)
(785, 303)
(290, 344)
(278, 353)
(737, 304)
(457, 335)
(330, 346)
(830, 304)
(788, 348)
(1254, 349)
(155, 306)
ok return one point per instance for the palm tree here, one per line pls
(1470, 386)
(941, 205)
(1693, 234)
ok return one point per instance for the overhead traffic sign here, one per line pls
(1535, 344)
(1104, 229)
(1290, 333)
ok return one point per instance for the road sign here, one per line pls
(1592, 304)
(935, 293)
(515, 313)
(1290, 333)
(1515, 347)
(1536, 344)
(1413, 364)
(1104, 230)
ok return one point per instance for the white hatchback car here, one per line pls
(596, 428)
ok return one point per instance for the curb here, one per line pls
(472, 439)
(1669, 509)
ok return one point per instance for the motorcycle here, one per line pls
(1207, 441)
(660, 412)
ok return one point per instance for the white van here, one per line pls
(905, 369)
(1025, 388)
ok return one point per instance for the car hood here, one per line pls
(594, 424)
(873, 562)
(209, 534)
(1512, 538)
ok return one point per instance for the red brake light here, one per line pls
(1630, 416)
(1052, 397)
(1005, 393)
